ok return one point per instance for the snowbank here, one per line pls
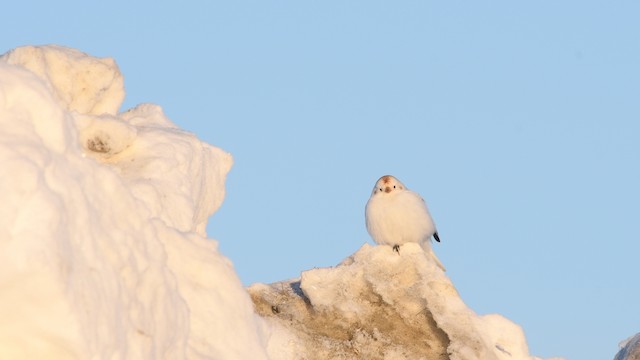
(380, 305)
(629, 349)
(103, 252)
(102, 225)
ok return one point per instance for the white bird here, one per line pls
(396, 215)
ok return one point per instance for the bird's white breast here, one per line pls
(398, 218)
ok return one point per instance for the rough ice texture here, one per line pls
(102, 223)
(82, 83)
(629, 349)
(377, 304)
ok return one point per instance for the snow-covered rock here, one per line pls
(102, 223)
(377, 304)
(629, 349)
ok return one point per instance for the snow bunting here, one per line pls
(396, 215)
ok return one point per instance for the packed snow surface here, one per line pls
(103, 251)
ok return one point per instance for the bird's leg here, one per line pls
(396, 248)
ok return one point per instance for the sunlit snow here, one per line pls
(103, 251)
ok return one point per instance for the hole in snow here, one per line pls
(98, 144)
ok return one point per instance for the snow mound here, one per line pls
(377, 304)
(629, 349)
(102, 224)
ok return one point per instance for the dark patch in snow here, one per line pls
(97, 144)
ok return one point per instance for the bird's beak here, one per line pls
(387, 189)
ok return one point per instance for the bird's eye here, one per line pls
(394, 186)
(380, 189)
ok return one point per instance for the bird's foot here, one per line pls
(396, 248)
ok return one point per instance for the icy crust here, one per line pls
(102, 247)
(629, 349)
(84, 84)
(377, 304)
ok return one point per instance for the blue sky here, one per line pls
(517, 122)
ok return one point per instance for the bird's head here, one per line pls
(387, 185)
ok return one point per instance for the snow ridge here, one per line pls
(377, 304)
